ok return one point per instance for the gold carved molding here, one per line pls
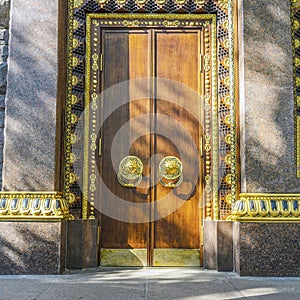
(295, 4)
(33, 206)
(79, 3)
(266, 208)
(217, 204)
(208, 22)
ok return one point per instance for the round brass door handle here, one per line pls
(130, 171)
(170, 171)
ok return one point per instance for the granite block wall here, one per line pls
(267, 249)
(82, 244)
(266, 100)
(218, 245)
(4, 25)
(32, 247)
(31, 99)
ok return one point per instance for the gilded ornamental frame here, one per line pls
(221, 181)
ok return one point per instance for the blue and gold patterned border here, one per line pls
(33, 206)
(266, 208)
(295, 14)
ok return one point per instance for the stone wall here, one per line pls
(4, 25)
(266, 249)
(29, 158)
(267, 103)
(32, 247)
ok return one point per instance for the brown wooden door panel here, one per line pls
(125, 57)
(177, 58)
(168, 109)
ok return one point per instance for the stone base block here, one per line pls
(267, 249)
(32, 247)
(218, 247)
(82, 249)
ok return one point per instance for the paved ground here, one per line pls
(151, 283)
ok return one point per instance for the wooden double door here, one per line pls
(152, 78)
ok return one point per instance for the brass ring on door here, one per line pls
(170, 172)
(130, 171)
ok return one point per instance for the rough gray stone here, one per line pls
(2, 101)
(30, 133)
(3, 52)
(3, 77)
(2, 120)
(4, 13)
(4, 35)
(269, 121)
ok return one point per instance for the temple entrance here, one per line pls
(150, 153)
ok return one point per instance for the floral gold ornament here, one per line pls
(140, 2)
(228, 159)
(74, 80)
(180, 2)
(227, 81)
(78, 3)
(75, 61)
(170, 171)
(33, 206)
(72, 178)
(75, 24)
(74, 99)
(130, 171)
(160, 2)
(227, 120)
(225, 43)
(228, 179)
(74, 119)
(101, 2)
(72, 158)
(266, 207)
(296, 45)
(72, 198)
(228, 199)
(131, 23)
(75, 43)
(225, 24)
(295, 3)
(209, 23)
(223, 3)
(228, 139)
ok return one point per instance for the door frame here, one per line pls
(162, 257)
(94, 63)
(226, 14)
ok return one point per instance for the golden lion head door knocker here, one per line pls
(130, 171)
(170, 172)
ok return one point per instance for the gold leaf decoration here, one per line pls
(295, 3)
(223, 3)
(78, 3)
(101, 2)
(161, 2)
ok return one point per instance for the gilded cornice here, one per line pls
(295, 3)
(33, 206)
(219, 48)
(266, 208)
(296, 59)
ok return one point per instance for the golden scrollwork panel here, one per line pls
(295, 4)
(217, 48)
(33, 206)
(266, 208)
